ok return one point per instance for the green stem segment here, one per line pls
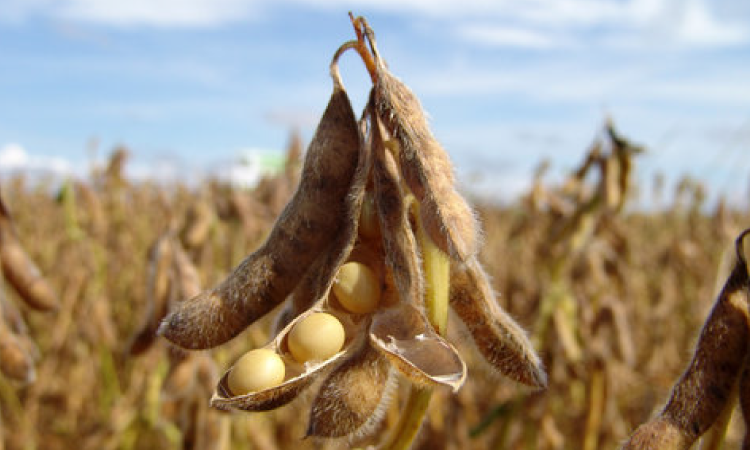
(437, 279)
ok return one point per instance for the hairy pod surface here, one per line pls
(702, 392)
(313, 290)
(744, 395)
(448, 219)
(351, 398)
(659, 434)
(400, 245)
(501, 341)
(315, 216)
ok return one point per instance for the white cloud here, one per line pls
(162, 13)
(15, 158)
(699, 26)
(640, 24)
(509, 36)
(151, 13)
(526, 24)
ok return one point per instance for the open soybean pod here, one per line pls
(500, 340)
(447, 218)
(313, 218)
(311, 293)
(296, 375)
(405, 336)
(20, 270)
(702, 392)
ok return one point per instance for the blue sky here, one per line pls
(190, 83)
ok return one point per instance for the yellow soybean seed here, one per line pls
(357, 288)
(256, 370)
(316, 337)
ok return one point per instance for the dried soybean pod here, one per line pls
(16, 359)
(20, 270)
(745, 403)
(400, 245)
(447, 218)
(304, 230)
(186, 278)
(159, 283)
(197, 227)
(659, 434)
(352, 398)
(700, 395)
(497, 336)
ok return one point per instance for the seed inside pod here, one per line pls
(256, 370)
(316, 337)
(369, 225)
(357, 288)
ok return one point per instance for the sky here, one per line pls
(188, 85)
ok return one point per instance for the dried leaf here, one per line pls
(315, 215)
(497, 336)
(405, 336)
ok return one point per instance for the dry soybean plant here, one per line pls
(368, 255)
(706, 393)
(17, 350)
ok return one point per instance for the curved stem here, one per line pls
(334, 68)
(358, 23)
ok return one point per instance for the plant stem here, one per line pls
(437, 279)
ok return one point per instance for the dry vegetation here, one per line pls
(612, 298)
(612, 302)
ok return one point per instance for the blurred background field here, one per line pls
(612, 296)
(145, 151)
